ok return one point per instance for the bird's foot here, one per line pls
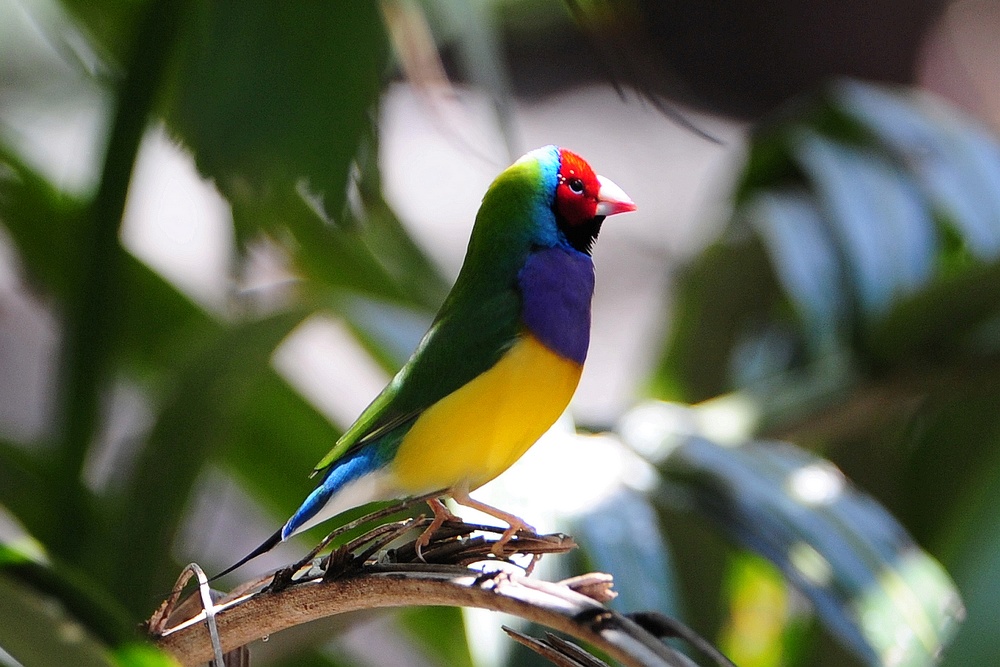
(516, 526)
(441, 514)
(515, 523)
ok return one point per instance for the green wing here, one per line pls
(468, 337)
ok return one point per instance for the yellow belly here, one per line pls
(475, 433)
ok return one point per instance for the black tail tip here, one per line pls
(264, 547)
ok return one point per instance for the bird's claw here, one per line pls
(422, 542)
(515, 528)
(441, 514)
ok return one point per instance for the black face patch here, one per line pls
(581, 236)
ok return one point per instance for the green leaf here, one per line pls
(879, 222)
(622, 536)
(805, 259)
(26, 490)
(160, 324)
(328, 255)
(193, 425)
(92, 322)
(23, 564)
(874, 589)
(954, 316)
(386, 237)
(955, 159)
(275, 101)
(956, 495)
(273, 97)
(109, 24)
(142, 655)
(712, 317)
(387, 332)
(883, 229)
(35, 629)
(764, 627)
(278, 436)
(440, 631)
(43, 224)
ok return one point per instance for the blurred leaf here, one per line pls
(109, 24)
(36, 630)
(851, 299)
(440, 631)
(957, 162)
(193, 424)
(387, 238)
(953, 456)
(24, 482)
(954, 316)
(763, 627)
(711, 317)
(956, 495)
(92, 326)
(872, 586)
(275, 102)
(883, 229)
(277, 439)
(162, 324)
(621, 536)
(143, 655)
(22, 562)
(273, 97)
(388, 332)
(802, 254)
(879, 221)
(326, 254)
(43, 224)
(275, 115)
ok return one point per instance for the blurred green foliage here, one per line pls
(850, 305)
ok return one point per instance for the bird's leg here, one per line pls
(441, 514)
(462, 497)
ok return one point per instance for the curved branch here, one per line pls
(557, 606)
(352, 577)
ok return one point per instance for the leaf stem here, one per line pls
(93, 315)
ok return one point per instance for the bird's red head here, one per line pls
(583, 199)
(576, 193)
(582, 195)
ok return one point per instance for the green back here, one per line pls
(480, 318)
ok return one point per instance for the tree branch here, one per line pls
(352, 578)
(556, 606)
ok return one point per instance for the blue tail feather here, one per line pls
(366, 460)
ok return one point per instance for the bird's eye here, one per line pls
(576, 185)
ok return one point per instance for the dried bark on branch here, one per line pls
(364, 575)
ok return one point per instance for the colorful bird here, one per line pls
(499, 364)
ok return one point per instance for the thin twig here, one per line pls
(551, 651)
(664, 626)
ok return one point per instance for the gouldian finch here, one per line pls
(500, 362)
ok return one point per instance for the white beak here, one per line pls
(612, 199)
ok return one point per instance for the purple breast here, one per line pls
(557, 285)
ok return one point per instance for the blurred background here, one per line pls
(223, 227)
